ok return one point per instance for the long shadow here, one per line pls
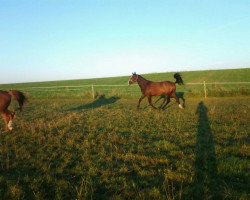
(206, 185)
(100, 101)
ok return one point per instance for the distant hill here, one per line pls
(225, 75)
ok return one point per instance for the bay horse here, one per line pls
(150, 89)
(5, 100)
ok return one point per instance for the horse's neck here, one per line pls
(142, 82)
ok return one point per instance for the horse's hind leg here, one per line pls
(6, 121)
(150, 102)
(8, 117)
(180, 95)
(177, 100)
(168, 100)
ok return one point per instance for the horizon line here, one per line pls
(106, 77)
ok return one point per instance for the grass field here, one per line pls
(70, 147)
(74, 149)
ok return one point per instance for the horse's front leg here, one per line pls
(142, 97)
(150, 102)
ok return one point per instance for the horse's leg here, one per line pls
(142, 97)
(6, 121)
(8, 117)
(150, 102)
(168, 100)
(177, 100)
(181, 97)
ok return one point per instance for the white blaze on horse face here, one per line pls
(130, 81)
(10, 125)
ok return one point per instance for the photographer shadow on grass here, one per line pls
(98, 102)
(206, 183)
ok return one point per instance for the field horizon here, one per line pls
(168, 75)
(117, 86)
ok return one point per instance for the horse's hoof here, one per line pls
(180, 106)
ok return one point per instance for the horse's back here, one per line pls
(159, 88)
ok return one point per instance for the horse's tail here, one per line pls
(178, 78)
(20, 97)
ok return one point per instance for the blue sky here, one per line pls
(44, 40)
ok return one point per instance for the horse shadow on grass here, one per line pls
(98, 102)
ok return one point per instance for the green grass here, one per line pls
(215, 90)
(105, 149)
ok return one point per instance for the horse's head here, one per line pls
(133, 78)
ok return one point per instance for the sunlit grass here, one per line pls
(106, 149)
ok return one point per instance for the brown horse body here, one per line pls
(150, 89)
(5, 100)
